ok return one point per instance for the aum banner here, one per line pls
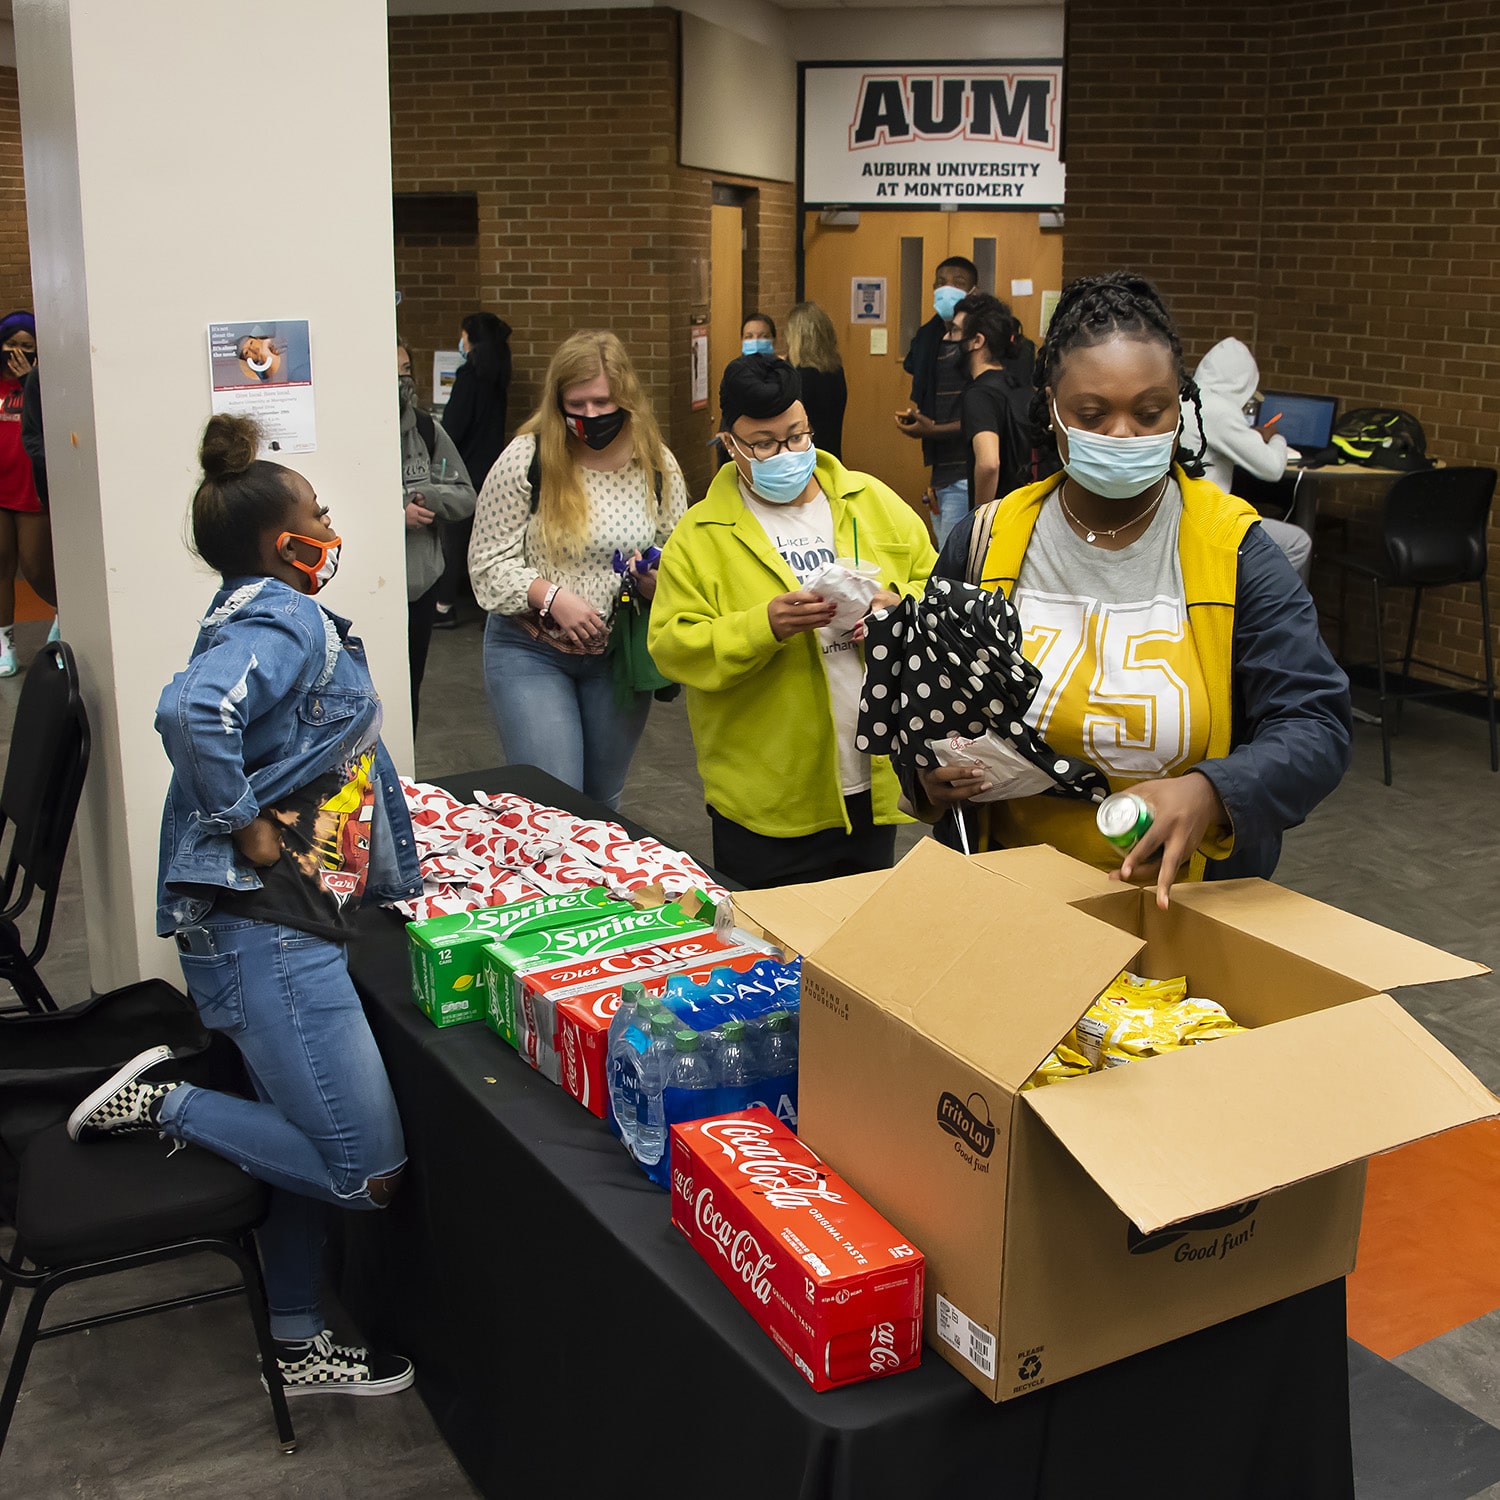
(979, 135)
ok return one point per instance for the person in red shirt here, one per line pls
(25, 531)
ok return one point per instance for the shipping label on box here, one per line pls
(447, 969)
(837, 1288)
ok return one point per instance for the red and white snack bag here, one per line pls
(837, 1287)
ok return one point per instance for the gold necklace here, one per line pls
(1091, 535)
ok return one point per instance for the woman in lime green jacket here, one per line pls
(772, 689)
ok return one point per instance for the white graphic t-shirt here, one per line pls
(803, 535)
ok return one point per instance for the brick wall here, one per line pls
(1322, 180)
(564, 126)
(15, 252)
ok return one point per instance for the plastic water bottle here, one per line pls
(735, 1067)
(778, 1046)
(651, 1119)
(690, 1068)
(626, 1048)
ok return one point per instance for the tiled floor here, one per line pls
(170, 1405)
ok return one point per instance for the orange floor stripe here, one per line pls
(28, 606)
(1428, 1257)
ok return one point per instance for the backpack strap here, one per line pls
(427, 428)
(980, 529)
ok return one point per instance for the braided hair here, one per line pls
(1093, 309)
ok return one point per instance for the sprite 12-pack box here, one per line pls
(508, 960)
(447, 976)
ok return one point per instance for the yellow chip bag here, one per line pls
(1062, 1062)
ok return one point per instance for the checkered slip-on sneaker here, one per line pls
(320, 1366)
(122, 1103)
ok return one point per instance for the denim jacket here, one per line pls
(275, 693)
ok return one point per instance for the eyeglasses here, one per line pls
(764, 448)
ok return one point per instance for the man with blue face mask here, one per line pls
(773, 686)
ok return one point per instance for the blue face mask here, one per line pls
(782, 479)
(757, 346)
(945, 301)
(1115, 467)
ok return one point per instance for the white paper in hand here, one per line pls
(1009, 773)
(849, 591)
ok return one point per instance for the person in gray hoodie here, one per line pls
(1227, 378)
(435, 487)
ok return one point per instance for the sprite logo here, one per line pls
(601, 937)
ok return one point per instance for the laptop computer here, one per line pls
(1306, 421)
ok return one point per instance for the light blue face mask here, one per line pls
(1116, 467)
(782, 479)
(945, 301)
(757, 346)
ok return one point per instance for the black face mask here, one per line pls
(597, 432)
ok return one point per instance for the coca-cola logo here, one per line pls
(605, 1006)
(751, 1145)
(571, 1068)
(739, 1247)
(883, 1354)
(682, 1184)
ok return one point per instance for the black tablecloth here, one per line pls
(568, 1340)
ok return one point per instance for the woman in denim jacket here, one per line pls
(284, 813)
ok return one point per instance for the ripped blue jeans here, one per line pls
(325, 1123)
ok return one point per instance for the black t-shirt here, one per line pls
(949, 455)
(989, 405)
(325, 837)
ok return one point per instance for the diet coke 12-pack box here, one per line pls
(584, 1010)
(837, 1287)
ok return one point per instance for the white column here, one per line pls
(187, 164)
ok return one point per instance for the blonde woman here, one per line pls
(813, 348)
(586, 476)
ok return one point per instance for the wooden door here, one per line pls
(878, 385)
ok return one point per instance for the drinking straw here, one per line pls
(855, 519)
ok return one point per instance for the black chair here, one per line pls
(1436, 527)
(44, 773)
(85, 1211)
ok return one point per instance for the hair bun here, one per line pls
(229, 446)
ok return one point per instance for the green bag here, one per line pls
(634, 671)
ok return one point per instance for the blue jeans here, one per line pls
(325, 1122)
(557, 711)
(953, 506)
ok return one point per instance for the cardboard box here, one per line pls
(836, 1287)
(1070, 1226)
(446, 953)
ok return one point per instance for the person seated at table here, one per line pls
(284, 810)
(1178, 651)
(772, 692)
(1227, 377)
(586, 479)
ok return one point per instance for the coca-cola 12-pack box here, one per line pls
(838, 1289)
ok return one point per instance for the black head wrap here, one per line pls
(756, 385)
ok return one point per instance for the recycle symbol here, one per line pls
(1030, 1368)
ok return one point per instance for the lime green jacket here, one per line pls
(760, 709)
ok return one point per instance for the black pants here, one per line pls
(455, 536)
(420, 613)
(755, 861)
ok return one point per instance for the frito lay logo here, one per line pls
(970, 1121)
(1144, 1244)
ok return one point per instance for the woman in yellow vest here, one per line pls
(1178, 650)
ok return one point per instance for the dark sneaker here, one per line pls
(446, 619)
(319, 1366)
(123, 1103)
